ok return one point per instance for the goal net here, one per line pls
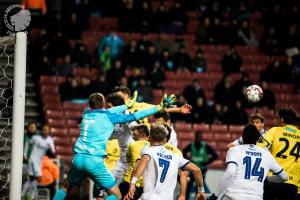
(12, 108)
(6, 81)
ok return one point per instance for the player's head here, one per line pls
(123, 91)
(158, 133)
(162, 117)
(45, 130)
(286, 116)
(251, 134)
(96, 101)
(257, 120)
(169, 131)
(32, 127)
(140, 132)
(114, 99)
(198, 136)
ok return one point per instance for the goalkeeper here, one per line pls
(96, 127)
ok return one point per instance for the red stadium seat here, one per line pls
(270, 122)
(61, 141)
(213, 67)
(223, 145)
(213, 144)
(212, 57)
(185, 136)
(183, 126)
(201, 127)
(48, 80)
(209, 95)
(275, 87)
(71, 106)
(51, 98)
(207, 136)
(236, 129)
(68, 159)
(207, 48)
(236, 136)
(74, 132)
(72, 123)
(81, 72)
(70, 114)
(51, 105)
(222, 49)
(223, 137)
(170, 75)
(61, 79)
(242, 49)
(64, 150)
(222, 154)
(201, 76)
(249, 68)
(288, 88)
(59, 132)
(267, 112)
(56, 122)
(49, 89)
(218, 128)
(217, 76)
(54, 114)
(261, 67)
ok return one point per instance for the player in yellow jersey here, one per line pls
(113, 154)
(125, 93)
(140, 135)
(284, 144)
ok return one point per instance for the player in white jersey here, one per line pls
(40, 145)
(247, 168)
(159, 167)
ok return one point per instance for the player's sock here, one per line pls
(112, 197)
(60, 195)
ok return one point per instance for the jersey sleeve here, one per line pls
(182, 162)
(231, 156)
(268, 138)
(118, 109)
(275, 167)
(146, 151)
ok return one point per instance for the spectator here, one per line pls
(167, 61)
(114, 42)
(192, 92)
(201, 111)
(201, 154)
(178, 17)
(36, 7)
(243, 13)
(179, 42)
(131, 55)
(145, 91)
(236, 114)
(150, 57)
(80, 55)
(70, 90)
(46, 67)
(246, 35)
(238, 87)
(60, 44)
(224, 92)
(105, 59)
(214, 32)
(99, 84)
(273, 73)
(162, 18)
(67, 68)
(123, 81)
(157, 75)
(182, 60)
(270, 42)
(31, 131)
(50, 174)
(163, 43)
(128, 17)
(268, 99)
(202, 33)
(146, 18)
(115, 73)
(144, 43)
(73, 27)
(218, 114)
(231, 61)
(177, 116)
(136, 75)
(213, 11)
(199, 63)
(40, 145)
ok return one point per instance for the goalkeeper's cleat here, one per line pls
(130, 103)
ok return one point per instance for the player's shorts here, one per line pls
(34, 168)
(280, 191)
(240, 196)
(93, 167)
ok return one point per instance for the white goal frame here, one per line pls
(19, 83)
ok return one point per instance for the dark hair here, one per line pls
(122, 89)
(257, 116)
(169, 131)
(288, 115)
(96, 100)
(158, 132)
(251, 134)
(162, 114)
(32, 122)
(115, 99)
(141, 128)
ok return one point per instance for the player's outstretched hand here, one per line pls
(132, 100)
(167, 102)
(130, 193)
(186, 109)
(200, 196)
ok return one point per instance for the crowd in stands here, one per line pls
(141, 64)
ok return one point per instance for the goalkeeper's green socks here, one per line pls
(60, 195)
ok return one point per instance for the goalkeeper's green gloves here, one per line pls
(130, 103)
(166, 102)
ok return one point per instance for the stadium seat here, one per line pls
(236, 136)
(236, 129)
(49, 80)
(71, 106)
(54, 114)
(270, 122)
(61, 141)
(275, 87)
(223, 145)
(207, 136)
(64, 150)
(213, 67)
(56, 122)
(262, 59)
(207, 48)
(249, 68)
(183, 144)
(212, 57)
(242, 49)
(260, 67)
(185, 135)
(222, 49)
(222, 137)
(72, 123)
(181, 126)
(68, 159)
(49, 89)
(70, 114)
(170, 75)
(183, 75)
(74, 132)
(61, 79)
(201, 76)
(217, 76)
(267, 112)
(222, 154)
(192, 26)
(51, 98)
(58, 132)
(81, 72)
(209, 95)
(213, 144)
(51, 105)
(201, 127)
(218, 128)
(288, 88)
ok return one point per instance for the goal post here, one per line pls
(19, 83)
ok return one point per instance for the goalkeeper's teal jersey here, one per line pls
(98, 124)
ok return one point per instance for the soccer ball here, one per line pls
(254, 93)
